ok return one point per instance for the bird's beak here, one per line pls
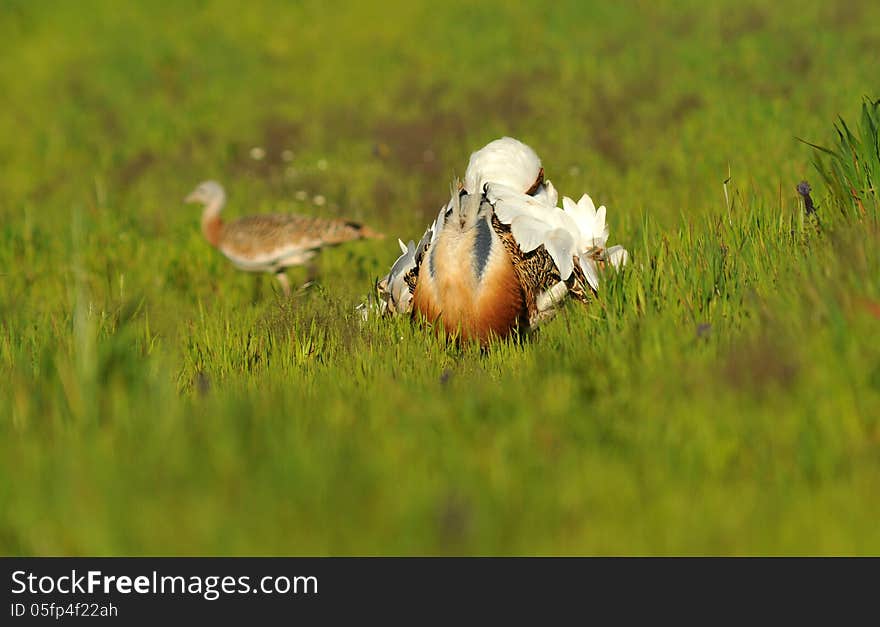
(193, 197)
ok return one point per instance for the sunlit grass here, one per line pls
(720, 395)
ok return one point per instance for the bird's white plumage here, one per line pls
(506, 161)
(510, 203)
(398, 298)
(578, 230)
(548, 299)
(505, 172)
(591, 271)
(528, 231)
(592, 230)
(617, 256)
(560, 245)
(547, 194)
(534, 222)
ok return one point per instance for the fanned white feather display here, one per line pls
(510, 203)
(528, 231)
(548, 299)
(617, 256)
(507, 161)
(560, 244)
(576, 231)
(591, 271)
(547, 195)
(503, 171)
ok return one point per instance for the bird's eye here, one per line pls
(462, 193)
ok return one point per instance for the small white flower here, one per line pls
(301, 195)
(287, 155)
(319, 200)
(257, 153)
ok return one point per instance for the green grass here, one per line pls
(852, 170)
(721, 395)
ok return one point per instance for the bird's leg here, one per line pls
(282, 279)
(311, 275)
(257, 292)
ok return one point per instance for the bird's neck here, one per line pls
(212, 223)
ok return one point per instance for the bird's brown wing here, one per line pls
(265, 233)
(535, 270)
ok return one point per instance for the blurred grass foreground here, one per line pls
(722, 395)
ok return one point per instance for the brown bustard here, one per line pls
(270, 242)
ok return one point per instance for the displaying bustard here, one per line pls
(501, 254)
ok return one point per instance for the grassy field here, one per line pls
(722, 395)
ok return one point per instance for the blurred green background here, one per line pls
(720, 396)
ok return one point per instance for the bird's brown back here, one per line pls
(252, 235)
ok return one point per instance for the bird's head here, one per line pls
(207, 193)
